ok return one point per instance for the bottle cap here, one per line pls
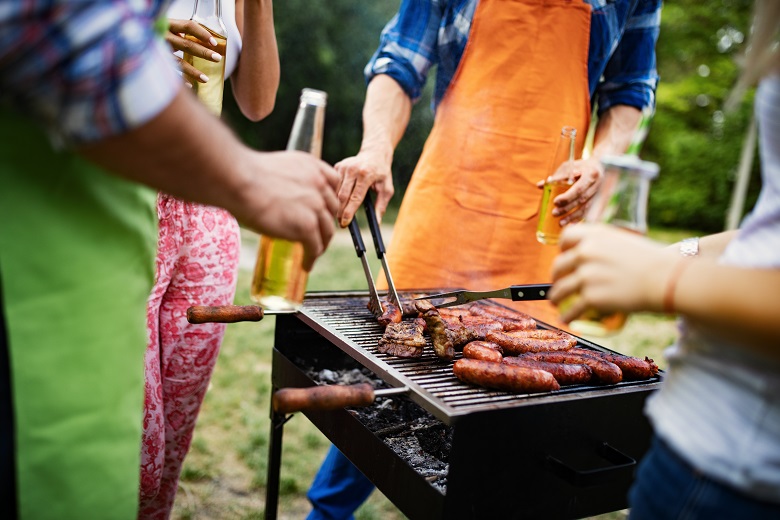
(314, 97)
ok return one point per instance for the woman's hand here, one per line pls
(609, 269)
(192, 38)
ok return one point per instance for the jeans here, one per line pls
(667, 487)
(339, 488)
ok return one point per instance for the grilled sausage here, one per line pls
(504, 377)
(520, 341)
(603, 371)
(509, 319)
(633, 368)
(390, 314)
(565, 374)
(483, 350)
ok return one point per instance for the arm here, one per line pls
(256, 78)
(731, 302)
(289, 195)
(386, 114)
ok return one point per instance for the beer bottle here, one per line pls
(208, 13)
(279, 281)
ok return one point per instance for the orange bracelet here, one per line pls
(671, 284)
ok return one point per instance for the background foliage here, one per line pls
(325, 45)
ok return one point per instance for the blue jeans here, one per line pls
(339, 488)
(667, 487)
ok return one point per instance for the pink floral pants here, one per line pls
(197, 264)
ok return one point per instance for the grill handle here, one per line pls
(622, 468)
(331, 397)
(224, 313)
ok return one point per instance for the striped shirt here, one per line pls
(85, 69)
(719, 406)
(621, 55)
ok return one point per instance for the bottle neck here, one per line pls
(209, 14)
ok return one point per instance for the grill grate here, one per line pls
(346, 320)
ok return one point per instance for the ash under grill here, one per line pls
(564, 454)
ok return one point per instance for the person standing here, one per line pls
(509, 76)
(91, 110)
(716, 419)
(198, 250)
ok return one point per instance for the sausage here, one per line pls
(603, 371)
(509, 319)
(483, 350)
(564, 373)
(390, 314)
(633, 368)
(516, 342)
(504, 377)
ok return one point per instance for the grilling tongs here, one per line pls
(374, 305)
(513, 292)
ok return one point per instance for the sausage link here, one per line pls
(603, 371)
(633, 368)
(483, 350)
(513, 342)
(564, 373)
(504, 377)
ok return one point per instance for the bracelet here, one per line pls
(689, 246)
(671, 283)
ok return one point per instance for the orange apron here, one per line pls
(469, 215)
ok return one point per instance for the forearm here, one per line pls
(386, 114)
(733, 303)
(614, 131)
(256, 79)
(182, 151)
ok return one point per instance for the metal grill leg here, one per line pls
(274, 465)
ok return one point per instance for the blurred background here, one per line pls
(325, 45)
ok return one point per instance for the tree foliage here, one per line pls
(326, 45)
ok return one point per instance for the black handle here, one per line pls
(530, 292)
(357, 238)
(373, 225)
(622, 468)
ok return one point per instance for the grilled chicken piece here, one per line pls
(437, 328)
(404, 339)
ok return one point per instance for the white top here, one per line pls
(719, 406)
(182, 10)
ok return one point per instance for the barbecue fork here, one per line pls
(513, 292)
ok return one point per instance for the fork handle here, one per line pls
(529, 292)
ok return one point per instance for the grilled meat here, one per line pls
(509, 319)
(437, 328)
(404, 339)
(520, 341)
(504, 377)
(483, 350)
(565, 374)
(390, 314)
(603, 371)
(633, 368)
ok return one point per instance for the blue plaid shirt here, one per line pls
(85, 69)
(424, 33)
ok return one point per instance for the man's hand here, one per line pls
(291, 195)
(587, 175)
(359, 173)
(200, 43)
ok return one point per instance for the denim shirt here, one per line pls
(621, 55)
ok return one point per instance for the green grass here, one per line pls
(224, 473)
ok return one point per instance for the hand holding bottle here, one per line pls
(609, 269)
(585, 176)
(193, 39)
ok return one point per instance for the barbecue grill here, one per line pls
(564, 454)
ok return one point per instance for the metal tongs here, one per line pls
(515, 293)
(374, 305)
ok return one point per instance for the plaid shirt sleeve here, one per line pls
(86, 70)
(408, 46)
(630, 77)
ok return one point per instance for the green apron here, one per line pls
(77, 252)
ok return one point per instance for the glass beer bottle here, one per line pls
(279, 281)
(549, 227)
(621, 201)
(208, 13)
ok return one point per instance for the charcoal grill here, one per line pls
(570, 453)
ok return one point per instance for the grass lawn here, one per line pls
(224, 473)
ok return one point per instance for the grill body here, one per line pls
(565, 454)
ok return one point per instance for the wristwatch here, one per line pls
(689, 246)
